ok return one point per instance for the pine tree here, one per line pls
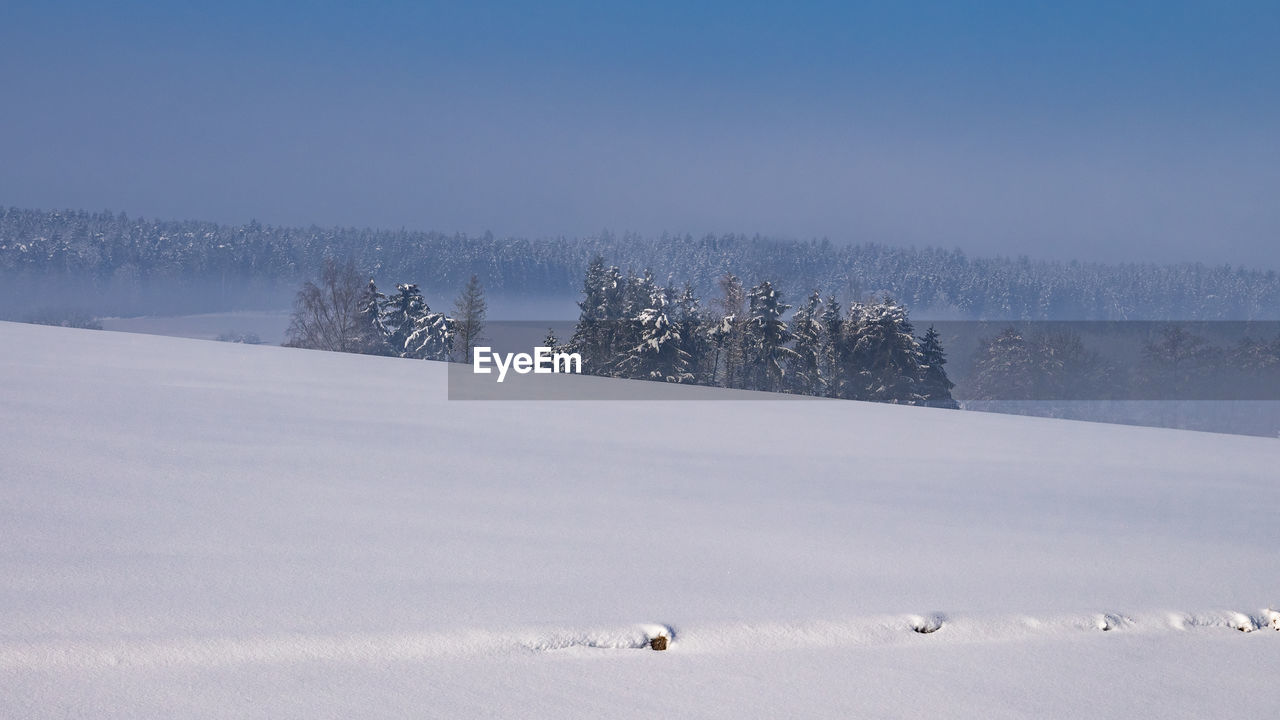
(727, 334)
(1004, 368)
(691, 324)
(372, 331)
(551, 341)
(1177, 363)
(1066, 370)
(833, 350)
(432, 336)
(657, 354)
(806, 377)
(883, 354)
(601, 314)
(400, 315)
(935, 386)
(640, 294)
(766, 353)
(615, 322)
(588, 333)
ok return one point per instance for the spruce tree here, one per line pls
(883, 354)
(1177, 363)
(727, 333)
(639, 295)
(657, 354)
(587, 333)
(806, 377)
(766, 354)
(935, 386)
(400, 315)
(833, 349)
(600, 315)
(1004, 368)
(690, 322)
(615, 323)
(432, 336)
(372, 331)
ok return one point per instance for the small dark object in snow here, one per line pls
(928, 624)
(658, 643)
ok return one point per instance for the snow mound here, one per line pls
(927, 625)
(628, 638)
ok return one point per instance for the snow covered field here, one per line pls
(195, 529)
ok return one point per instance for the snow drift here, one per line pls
(197, 529)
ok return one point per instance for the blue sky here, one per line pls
(1108, 131)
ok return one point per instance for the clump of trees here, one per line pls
(236, 336)
(1170, 363)
(344, 313)
(1014, 365)
(630, 327)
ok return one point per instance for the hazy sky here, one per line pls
(1109, 131)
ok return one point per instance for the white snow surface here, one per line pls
(192, 529)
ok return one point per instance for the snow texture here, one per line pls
(207, 530)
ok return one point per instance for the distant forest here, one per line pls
(108, 263)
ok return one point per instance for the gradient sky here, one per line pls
(1098, 131)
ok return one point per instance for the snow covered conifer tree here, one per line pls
(766, 353)
(587, 334)
(1004, 368)
(658, 354)
(691, 324)
(806, 376)
(432, 336)
(935, 386)
(615, 322)
(884, 356)
(372, 331)
(639, 293)
(600, 316)
(833, 349)
(400, 315)
(727, 334)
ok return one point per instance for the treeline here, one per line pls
(1129, 361)
(111, 263)
(630, 327)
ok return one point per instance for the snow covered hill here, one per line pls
(196, 529)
